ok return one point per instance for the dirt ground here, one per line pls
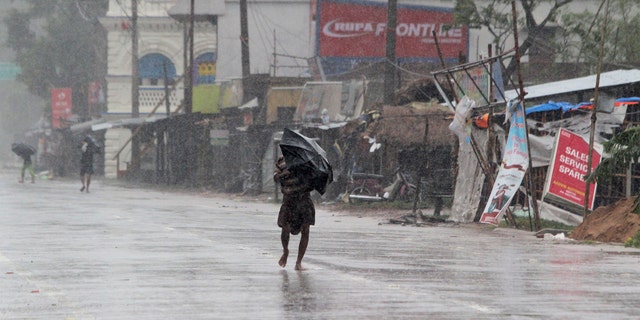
(374, 210)
(613, 223)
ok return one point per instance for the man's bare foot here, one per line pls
(82, 189)
(283, 259)
(299, 267)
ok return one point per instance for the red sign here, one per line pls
(95, 92)
(358, 29)
(61, 106)
(569, 166)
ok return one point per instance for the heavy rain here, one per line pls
(319, 159)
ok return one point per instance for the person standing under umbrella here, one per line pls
(88, 148)
(297, 212)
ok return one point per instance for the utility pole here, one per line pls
(244, 42)
(389, 66)
(594, 112)
(275, 54)
(135, 86)
(167, 102)
(188, 80)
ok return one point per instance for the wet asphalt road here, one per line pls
(130, 253)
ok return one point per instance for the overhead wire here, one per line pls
(269, 24)
(261, 26)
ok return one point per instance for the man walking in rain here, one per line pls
(88, 148)
(25, 152)
(297, 212)
(27, 165)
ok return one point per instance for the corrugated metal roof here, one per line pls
(607, 79)
(124, 122)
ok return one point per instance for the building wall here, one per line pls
(161, 35)
(157, 33)
(114, 139)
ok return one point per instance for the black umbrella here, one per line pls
(22, 149)
(305, 157)
(92, 144)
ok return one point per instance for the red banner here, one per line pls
(565, 182)
(61, 107)
(358, 29)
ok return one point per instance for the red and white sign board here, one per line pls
(61, 107)
(565, 183)
(95, 92)
(357, 29)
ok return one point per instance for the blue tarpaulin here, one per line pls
(550, 106)
(630, 100)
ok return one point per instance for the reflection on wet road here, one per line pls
(129, 253)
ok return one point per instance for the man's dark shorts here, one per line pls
(86, 169)
(296, 210)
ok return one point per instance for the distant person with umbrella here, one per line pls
(302, 169)
(25, 151)
(88, 147)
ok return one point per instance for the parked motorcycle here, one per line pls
(365, 187)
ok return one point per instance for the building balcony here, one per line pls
(151, 97)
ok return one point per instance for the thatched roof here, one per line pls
(423, 90)
(405, 125)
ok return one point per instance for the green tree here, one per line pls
(624, 151)
(59, 43)
(497, 18)
(582, 31)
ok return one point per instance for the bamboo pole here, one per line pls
(521, 94)
(594, 110)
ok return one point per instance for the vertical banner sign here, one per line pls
(514, 165)
(565, 183)
(60, 105)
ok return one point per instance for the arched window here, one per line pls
(151, 70)
(205, 69)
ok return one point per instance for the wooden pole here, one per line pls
(594, 110)
(188, 80)
(135, 87)
(521, 94)
(167, 102)
(423, 167)
(244, 49)
(390, 50)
